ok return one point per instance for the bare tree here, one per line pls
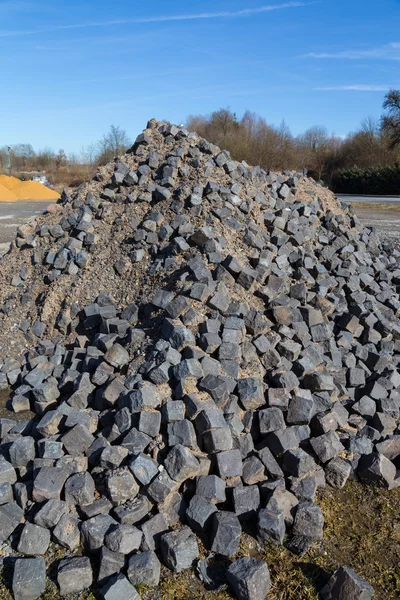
(390, 122)
(88, 154)
(315, 137)
(45, 158)
(371, 126)
(115, 142)
(314, 145)
(197, 123)
(61, 159)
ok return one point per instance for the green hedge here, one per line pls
(384, 181)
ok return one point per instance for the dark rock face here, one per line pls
(29, 578)
(345, 584)
(74, 575)
(245, 352)
(249, 579)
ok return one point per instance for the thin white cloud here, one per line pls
(246, 12)
(222, 14)
(356, 88)
(388, 52)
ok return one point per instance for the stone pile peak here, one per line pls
(205, 345)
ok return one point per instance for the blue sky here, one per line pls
(68, 70)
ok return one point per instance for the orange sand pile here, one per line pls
(12, 189)
(9, 182)
(33, 190)
(7, 195)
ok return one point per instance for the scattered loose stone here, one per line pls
(33, 540)
(119, 587)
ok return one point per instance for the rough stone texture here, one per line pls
(246, 501)
(7, 472)
(212, 488)
(111, 563)
(181, 464)
(144, 569)
(11, 516)
(34, 540)
(345, 584)
(225, 534)
(152, 530)
(67, 532)
(29, 578)
(50, 513)
(94, 531)
(376, 469)
(48, 483)
(79, 489)
(199, 513)
(271, 526)
(249, 579)
(119, 587)
(74, 575)
(144, 468)
(202, 342)
(337, 472)
(179, 549)
(121, 486)
(309, 521)
(123, 539)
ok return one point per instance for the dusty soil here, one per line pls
(362, 530)
(385, 217)
(8, 414)
(14, 214)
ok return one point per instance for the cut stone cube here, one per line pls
(179, 549)
(249, 579)
(29, 578)
(74, 575)
(225, 533)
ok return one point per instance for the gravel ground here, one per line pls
(385, 217)
(14, 214)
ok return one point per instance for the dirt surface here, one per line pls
(14, 214)
(367, 540)
(385, 217)
(362, 530)
(307, 190)
(5, 413)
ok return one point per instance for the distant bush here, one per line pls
(380, 180)
(72, 175)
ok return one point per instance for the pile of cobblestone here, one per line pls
(255, 361)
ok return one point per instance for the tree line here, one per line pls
(22, 160)
(376, 143)
(368, 156)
